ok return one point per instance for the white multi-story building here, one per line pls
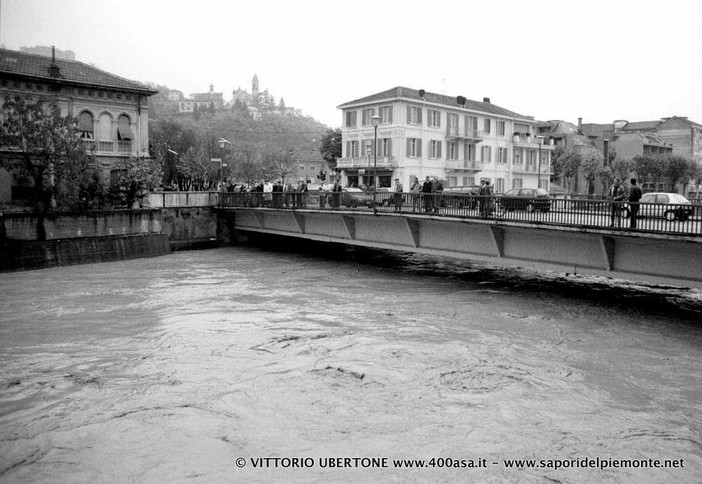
(452, 138)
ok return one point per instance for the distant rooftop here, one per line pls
(413, 95)
(13, 62)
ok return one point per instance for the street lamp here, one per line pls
(540, 140)
(375, 121)
(223, 143)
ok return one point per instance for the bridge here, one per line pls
(571, 236)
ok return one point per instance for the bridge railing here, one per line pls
(182, 199)
(662, 218)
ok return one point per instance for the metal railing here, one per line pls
(183, 199)
(659, 218)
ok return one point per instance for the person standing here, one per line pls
(616, 196)
(416, 188)
(398, 195)
(336, 195)
(485, 198)
(426, 194)
(635, 195)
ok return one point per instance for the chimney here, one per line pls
(421, 93)
(580, 125)
(54, 70)
(486, 100)
(461, 100)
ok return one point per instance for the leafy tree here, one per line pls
(681, 170)
(45, 146)
(330, 147)
(196, 113)
(137, 177)
(650, 168)
(565, 165)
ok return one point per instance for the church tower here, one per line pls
(254, 88)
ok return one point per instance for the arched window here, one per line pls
(124, 128)
(85, 125)
(105, 130)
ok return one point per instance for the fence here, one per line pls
(660, 218)
(183, 199)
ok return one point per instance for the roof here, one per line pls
(413, 95)
(641, 126)
(37, 66)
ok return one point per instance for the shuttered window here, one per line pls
(105, 130)
(86, 125)
(124, 128)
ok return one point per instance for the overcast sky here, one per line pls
(599, 60)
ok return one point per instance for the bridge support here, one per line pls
(628, 255)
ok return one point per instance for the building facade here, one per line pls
(202, 100)
(452, 138)
(112, 112)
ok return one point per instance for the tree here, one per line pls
(681, 170)
(565, 164)
(330, 147)
(138, 176)
(44, 145)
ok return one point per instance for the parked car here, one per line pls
(529, 199)
(670, 206)
(351, 197)
(460, 197)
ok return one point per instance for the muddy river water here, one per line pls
(241, 364)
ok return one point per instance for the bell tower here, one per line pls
(254, 88)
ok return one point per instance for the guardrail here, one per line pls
(659, 218)
(183, 199)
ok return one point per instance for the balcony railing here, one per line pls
(366, 162)
(124, 147)
(468, 134)
(469, 165)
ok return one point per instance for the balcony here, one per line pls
(528, 168)
(463, 165)
(124, 147)
(366, 162)
(103, 147)
(523, 141)
(469, 135)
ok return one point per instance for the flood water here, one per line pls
(184, 367)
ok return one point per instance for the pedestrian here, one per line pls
(398, 195)
(635, 195)
(437, 189)
(426, 195)
(616, 195)
(302, 194)
(290, 197)
(322, 198)
(336, 195)
(416, 188)
(485, 198)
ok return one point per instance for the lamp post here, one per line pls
(223, 143)
(540, 140)
(375, 121)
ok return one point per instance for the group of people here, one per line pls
(425, 195)
(618, 195)
(274, 195)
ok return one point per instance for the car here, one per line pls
(350, 197)
(671, 206)
(529, 199)
(460, 197)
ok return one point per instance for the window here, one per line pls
(386, 114)
(124, 128)
(471, 126)
(85, 125)
(531, 157)
(469, 152)
(501, 128)
(502, 155)
(105, 127)
(452, 124)
(468, 181)
(434, 118)
(366, 115)
(517, 158)
(499, 185)
(451, 150)
(486, 125)
(414, 147)
(414, 115)
(452, 181)
(385, 147)
(516, 183)
(350, 119)
(486, 154)
(312, 168)
(352, 149)
(435, 149)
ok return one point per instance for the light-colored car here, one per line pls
(671, 206)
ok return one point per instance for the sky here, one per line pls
(596, 60)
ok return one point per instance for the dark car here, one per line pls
(460, 197)
(529, 199)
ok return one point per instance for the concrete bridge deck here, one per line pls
(639, 256)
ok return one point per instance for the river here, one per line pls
(245, 364)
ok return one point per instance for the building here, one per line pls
(112, 111)
(202, 100)
(453, 138)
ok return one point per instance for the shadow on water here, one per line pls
(678, 302)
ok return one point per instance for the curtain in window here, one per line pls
(124, 128)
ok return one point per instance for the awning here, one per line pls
(125, 129)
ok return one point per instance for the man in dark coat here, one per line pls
(635, 195)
